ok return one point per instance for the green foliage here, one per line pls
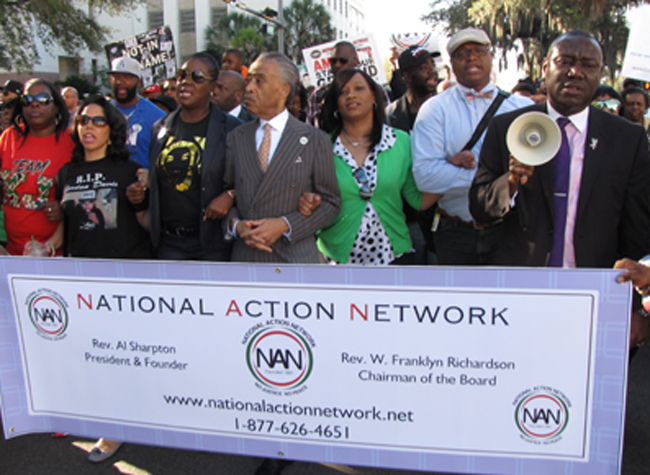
(237, 30)
(536, 23)
(306, 24)
(250, 41)
(59, 22)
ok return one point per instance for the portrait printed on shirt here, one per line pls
(91, 204)
(180, 161)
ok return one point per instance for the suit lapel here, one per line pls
(592, 154)
(286, 153)
(214, 136)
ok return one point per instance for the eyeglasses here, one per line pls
(611, 104)
(342, 61)
(197, 76)
(43, 99)
(465, 53)
(97, 120)
(364, 185)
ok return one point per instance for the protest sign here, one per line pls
(317, 60)
(438, 369)
(154, 50)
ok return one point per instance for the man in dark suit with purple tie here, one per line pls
(600, 212)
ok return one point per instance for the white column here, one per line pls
(171, 18)
(201, 21)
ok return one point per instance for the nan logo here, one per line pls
(48, 313)
(542, 414)
(279, 356)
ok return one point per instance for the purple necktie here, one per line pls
(561, 172)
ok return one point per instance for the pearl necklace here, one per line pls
(353, 143)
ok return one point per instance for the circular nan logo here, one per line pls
(280, 358)
(48, 313)
(542, 414)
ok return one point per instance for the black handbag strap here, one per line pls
(482, 125)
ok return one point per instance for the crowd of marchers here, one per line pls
(228, 162)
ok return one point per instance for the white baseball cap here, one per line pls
(468, 35)
(126, 65)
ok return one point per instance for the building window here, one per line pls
(216, 13)
(156, 20)
(346, 8)
(335, 6)
(187, 24)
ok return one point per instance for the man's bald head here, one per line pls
(230, 90)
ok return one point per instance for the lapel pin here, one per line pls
(304, 140)
(299, 159)
(162, 132)
(594, 144)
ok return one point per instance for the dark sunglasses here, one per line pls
(342, 61)
(197, 76)
(364, 186)
(611, 104)
(43, 99)
(98, 120)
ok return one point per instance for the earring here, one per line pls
(374, 105)
(336, 114)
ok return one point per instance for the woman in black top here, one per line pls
(186, 166)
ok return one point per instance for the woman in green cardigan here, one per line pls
(373, 167)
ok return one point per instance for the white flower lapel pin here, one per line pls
(593, 144)
(304, 140)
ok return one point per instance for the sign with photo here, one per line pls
(154, 50)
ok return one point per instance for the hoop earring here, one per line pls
(336, 114)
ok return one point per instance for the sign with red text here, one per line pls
(317, 60)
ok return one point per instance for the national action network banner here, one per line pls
(438, 369)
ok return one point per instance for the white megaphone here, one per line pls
(533, 138)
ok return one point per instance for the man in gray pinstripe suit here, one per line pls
(271, 166)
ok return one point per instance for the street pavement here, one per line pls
(41, 454)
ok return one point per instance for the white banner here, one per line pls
(636, 63)
(317, 60)
(495, 371)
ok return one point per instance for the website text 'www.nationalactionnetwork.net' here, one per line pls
(265, 408)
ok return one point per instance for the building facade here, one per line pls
(188, 20)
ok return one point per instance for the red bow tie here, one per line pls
(478, 95)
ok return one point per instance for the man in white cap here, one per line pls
(444, 157)
(125, 77)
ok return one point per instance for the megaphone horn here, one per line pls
(533, 138)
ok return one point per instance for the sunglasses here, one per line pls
(97, 120)
(364, 186)
(43, 99)
(342, 61)
(611, 104)
(197, 76)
